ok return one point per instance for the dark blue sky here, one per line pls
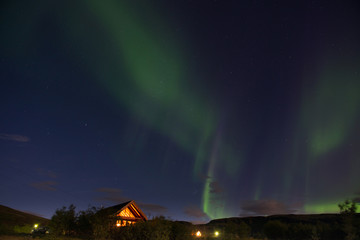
(194, 109)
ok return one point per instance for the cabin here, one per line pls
(126, 213)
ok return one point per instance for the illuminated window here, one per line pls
(128, 216)
(136, 211)
(126, 213)
(124, 223)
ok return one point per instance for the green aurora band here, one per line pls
(331, 108)
(155, 90)
(142, 65)
(330, 111)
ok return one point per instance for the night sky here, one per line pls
(195, 109)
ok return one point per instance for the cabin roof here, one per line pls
(119, 207)
(114, 210)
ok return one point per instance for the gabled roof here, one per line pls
(133, 207)
(119, 207)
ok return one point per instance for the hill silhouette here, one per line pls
(323, 226)
(11, 219)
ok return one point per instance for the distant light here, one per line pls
(36, 226)
(198, 234)
(216, 233)
(118, 224)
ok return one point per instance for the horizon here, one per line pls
(193, 222)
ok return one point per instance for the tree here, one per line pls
(63, 222)
(85, 221)
(101, 224)
(348, 207)
(348, 210)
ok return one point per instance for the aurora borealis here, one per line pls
(195, 109)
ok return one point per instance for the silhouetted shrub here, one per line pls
(23, 229)
(63, 222)
(300, 231)
(276, 230)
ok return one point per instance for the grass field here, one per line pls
(7, 237)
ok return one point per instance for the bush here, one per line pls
(156, 229)
(85, 221)
(275, 230)
(63, 221)
(301, 231)
(23, 229)
(5, 229)
(181, 230)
